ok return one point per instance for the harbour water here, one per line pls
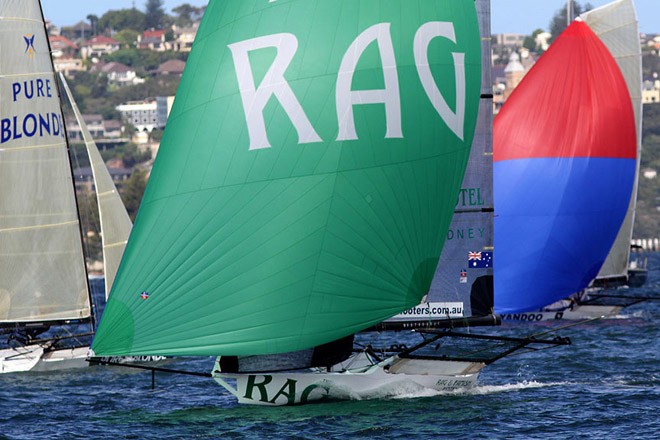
(605, 385)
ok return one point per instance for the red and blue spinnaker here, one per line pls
(564, 168)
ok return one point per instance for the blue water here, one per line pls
(605, 385)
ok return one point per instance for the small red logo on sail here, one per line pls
(144, 295)
(463, 276)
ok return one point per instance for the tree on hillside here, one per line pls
(650, 63)
(155, 16)
(186, 14)
(132, 192)
(94, 23)
(530, 41)
(122, 19)
(127, 37)
(143, 60)
(558, 23)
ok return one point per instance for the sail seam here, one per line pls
(13, 75)
(52, 225)
(31, 147)
(115, 244)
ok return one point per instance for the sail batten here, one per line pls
(293, 200)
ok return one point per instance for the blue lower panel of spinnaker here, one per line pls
(555, 222)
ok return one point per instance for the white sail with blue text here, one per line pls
(43, 282)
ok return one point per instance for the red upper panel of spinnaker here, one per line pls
(572, 103)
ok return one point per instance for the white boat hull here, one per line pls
(19, 359)
(37, 358)
(380, 380)
(576, 313)
(63, 359)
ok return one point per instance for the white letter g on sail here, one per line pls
(423, 37)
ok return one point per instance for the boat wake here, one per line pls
(634, 315)
(410, 390)
(494, 389)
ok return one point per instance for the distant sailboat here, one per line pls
(115, 223)
(566, 160)
(43, 282)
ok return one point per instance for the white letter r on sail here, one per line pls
(255, 99)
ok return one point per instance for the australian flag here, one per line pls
(480, 260)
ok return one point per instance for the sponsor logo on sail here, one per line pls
(275, 85)
(28, 125)
(463, 276)
(29, 45)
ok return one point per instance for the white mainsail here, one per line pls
(42, 268)
(115, 223)
(616, 26)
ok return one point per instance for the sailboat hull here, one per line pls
(63, 359)
(39, 359)
(391, 377)
(575, 313)
(19, 359)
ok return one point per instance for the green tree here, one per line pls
(186, 14)
(127, 37)
(132, 156)
(558, 23)
(650, 64)
(154, 14)
(143, 60)
(122, 19)
(132, 191)
(90, 223)
(94, 23)
(530, 41)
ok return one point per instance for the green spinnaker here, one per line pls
(306, 178)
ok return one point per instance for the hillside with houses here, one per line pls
(515, 54)
(124, 68)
